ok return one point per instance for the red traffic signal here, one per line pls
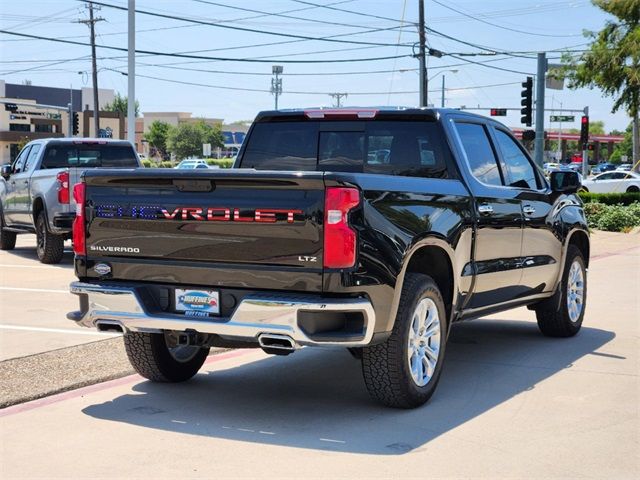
(584, 130)
(498, 112)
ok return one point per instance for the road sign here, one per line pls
(562, 118)
(206, 149)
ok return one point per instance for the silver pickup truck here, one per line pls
(35, 190)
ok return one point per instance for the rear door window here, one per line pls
(89, 156)
(480, 155)
(33, 154)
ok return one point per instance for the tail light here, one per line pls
(339, 238)
(63, 187)
(79, 244)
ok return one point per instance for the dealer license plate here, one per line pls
(197, 303)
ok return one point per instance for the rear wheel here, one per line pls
(562, 314)
(49, 246)
(159, 358)
(403, 372)
(7, 239)
(633, 189)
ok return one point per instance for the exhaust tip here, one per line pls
(109, 327)
(278, 342)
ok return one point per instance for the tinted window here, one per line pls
(398, 148)
(282, 146)
(520, 172)
(88, 156)
(605, 176)
(33, 154)
(482, 160)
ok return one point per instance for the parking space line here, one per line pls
(58, 330)
(40, 290)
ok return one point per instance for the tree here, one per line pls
(612, 61)
(121, 104)
(186, 139)
(625, 147)
(157, 136)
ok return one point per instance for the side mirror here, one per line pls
(5, 171)
(565, 181)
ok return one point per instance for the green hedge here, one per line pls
(610, 198)
(612, 218)
(221, 162)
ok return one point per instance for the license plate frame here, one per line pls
(195, 302)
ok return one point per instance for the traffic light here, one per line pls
(527, 102)
(584, 130)
(76, 123)
(498, 112)
(591, 147)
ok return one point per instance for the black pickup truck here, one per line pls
(371, 229)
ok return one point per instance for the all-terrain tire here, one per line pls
(49, 246)
(386, 366)
(7, 239)
(149, 355)
(553, 315)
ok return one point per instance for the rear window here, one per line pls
(89, 156)
(388, 147)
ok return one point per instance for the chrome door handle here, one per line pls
(485, 209)
(529, 210)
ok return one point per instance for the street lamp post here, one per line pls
(443, 83)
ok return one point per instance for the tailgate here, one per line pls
(237, 228)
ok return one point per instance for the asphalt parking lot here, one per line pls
(511, 403)
(34, 300)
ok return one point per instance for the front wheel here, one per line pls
(159, 358)
(403, 372)
(562, 314)
(633, 189)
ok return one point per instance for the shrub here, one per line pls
(221, 162)
(611, 198)
(146, 163)
(166, 165)
(617, 219)
(593, 211)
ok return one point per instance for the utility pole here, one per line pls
(585, 152)
(96, 107)
(422, 56)
(540, 79)
(276, 82)
(131, 73)
(338, 97)
(442, 102)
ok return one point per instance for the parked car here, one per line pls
(190, 163)
(549, 166)
(613, 182)
(35, 190)
(625, 167)
(312, 242)
(603, 167)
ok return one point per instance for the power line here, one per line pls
(293, 17)
(245, 29)
(353, 12)
(297, 92)
(490, 66)
(479, 19)
(203, 57)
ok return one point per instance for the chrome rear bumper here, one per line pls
(108, 305)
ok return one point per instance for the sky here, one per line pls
(245, 38)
